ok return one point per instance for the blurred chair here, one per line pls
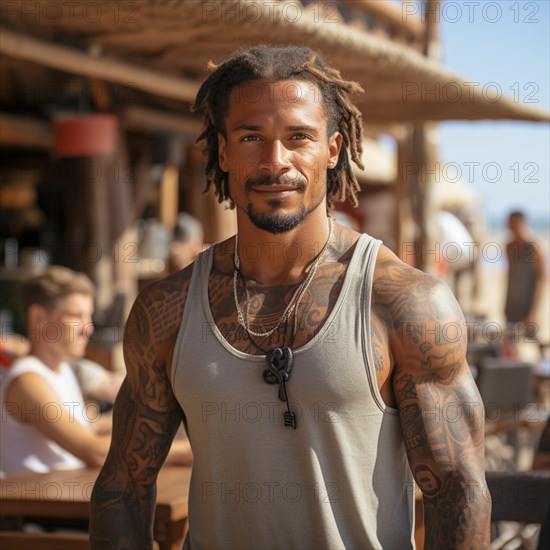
(506, 388)
(506, 384)
(477, 352)
(522, 497)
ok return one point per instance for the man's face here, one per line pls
(277, 151)
(516, 224)
(67, 328)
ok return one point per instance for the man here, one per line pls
(45, 422)
(300, 355)
(525, 275)
(186, 244)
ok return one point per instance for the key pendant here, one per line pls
(290, 419)
(279, 366)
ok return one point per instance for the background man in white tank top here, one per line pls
(45, 424)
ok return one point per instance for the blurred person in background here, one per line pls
(45, 422)
(187, 242)
(525, 275)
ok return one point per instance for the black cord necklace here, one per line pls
(279, 360)
(279, 366)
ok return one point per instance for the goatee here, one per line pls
(277, 222)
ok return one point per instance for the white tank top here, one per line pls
(23, 448)
(340, 480)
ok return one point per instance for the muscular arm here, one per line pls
(540, 274)
(439, 405)
(146, 417)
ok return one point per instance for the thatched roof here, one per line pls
(162, 47)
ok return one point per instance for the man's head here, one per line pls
(187, 242)
(517, 222)
(244, 71)
(59, 306)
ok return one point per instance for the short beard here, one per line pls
(277, 222)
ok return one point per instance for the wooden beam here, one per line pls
(150, 120)
(62, 58)
(22, 131)
(401, 19)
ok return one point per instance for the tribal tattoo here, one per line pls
(440, 408)
(267, 302)
(146, 417)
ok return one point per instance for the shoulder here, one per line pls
(24, 365)
(156, 314)
(27, 362)
(403, 295)
(426, 329)
(29, 382)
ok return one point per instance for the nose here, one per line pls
(275, 158)
(88, 327)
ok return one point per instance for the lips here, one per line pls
(280, 184)
(279, 188)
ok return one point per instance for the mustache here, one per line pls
(283, 179)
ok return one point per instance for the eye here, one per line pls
(301, 137)
(250, 138)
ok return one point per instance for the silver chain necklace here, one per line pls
(294, 302)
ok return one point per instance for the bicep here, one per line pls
(146, 414)
(540, 269)
(442, 423)
(440, 408)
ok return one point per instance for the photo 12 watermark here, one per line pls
(472, 172)
(267, 412)
(468, 11)
(469, 91)
(271, 11)
(71, 11)
(269, 492)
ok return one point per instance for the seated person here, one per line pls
(99, 386)
(45, 423)
(187, 242)
(542, 456)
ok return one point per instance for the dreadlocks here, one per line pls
(283, 63)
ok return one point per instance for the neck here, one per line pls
(49, 357)
(521, 236)
(281, 259)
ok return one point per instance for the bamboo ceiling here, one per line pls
(162, 47)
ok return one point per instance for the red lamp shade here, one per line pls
(86, 136)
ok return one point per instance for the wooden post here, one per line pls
(403, 222)
(219, 222)
(425, 156)
(168, 207)
(418, 192)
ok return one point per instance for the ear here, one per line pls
(334, 146)
(222, 159)
(36, 314)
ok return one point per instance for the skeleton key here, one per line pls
(279, 366)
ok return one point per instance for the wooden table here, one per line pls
(66, 494)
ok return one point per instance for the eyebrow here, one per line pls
(257, 128)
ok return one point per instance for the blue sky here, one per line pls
(507, 43)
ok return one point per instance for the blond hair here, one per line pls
(53, 284)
